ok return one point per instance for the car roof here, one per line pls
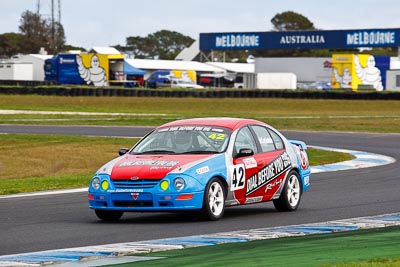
(231, 123)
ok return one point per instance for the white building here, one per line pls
(24, 67)
(37, 61)
(306, 69)
(22, 71)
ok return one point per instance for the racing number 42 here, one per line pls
(238, 175)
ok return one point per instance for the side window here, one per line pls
(277, 140)
(244, 139)
(264, 138)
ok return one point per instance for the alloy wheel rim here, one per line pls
(293, 190)
(216, 198)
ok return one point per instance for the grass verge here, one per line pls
(377, 247)
(31, 163)
(293, 114)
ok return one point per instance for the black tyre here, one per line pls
(214, 200)
(289, 199)
(110, 216)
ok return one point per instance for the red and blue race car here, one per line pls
(204, 165)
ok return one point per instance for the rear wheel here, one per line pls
(289, 199)
(109, 215)
(214, 200)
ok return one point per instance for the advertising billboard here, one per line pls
(300, 39)
(357, 71)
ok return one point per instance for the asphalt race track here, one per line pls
(37, 223)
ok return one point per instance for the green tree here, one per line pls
(163, 44)
(33, 27)
(56, 37)
(40, 32)
(291, 21)
(11, 44)
(68, 47)
(384, 51)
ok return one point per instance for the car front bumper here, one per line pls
(145, 201)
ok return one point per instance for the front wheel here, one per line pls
(289, 199)
(214, 200)
(108, 215)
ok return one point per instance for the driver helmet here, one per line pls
(183, 140)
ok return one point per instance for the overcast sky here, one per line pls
(89, 23)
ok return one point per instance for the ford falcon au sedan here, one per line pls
(202, 165)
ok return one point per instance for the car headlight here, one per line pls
(179, 184)
(96, 183)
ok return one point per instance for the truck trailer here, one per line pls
(173, 78)
(85, 69)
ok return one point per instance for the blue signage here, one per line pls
(371, 38)
(300, 39)
(232, 41)
(238, 41)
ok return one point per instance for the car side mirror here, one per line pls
(123, 151)
(245, 152)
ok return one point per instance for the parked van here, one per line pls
(173, 78)
(159, 78)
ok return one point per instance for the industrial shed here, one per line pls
(37, 62)
(151, 65)
(16, 71)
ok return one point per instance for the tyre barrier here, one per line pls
(206, 93)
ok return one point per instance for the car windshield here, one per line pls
(184, 140)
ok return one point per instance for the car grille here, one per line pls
(137, 184)
(133, 204)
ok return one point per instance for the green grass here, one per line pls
(391, 262)
(294, 114)
(45, 162)
(378, 247)
(34, 184)
(320, 157)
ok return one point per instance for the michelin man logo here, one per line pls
(345, 79)
(369, 74)
(95, 74)
(185, 77)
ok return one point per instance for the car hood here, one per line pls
(149, 166)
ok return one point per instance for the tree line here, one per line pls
(36, 32)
